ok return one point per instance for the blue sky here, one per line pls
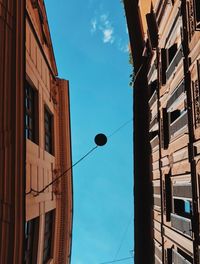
(91, 48)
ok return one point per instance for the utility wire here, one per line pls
(123, 237)
(36, 192)
(61, 175)
(119, 128)
(117, 260)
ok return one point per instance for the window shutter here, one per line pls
(168, 197)
(165, 128)
(163, 66)
(197, 13)
(172, 52)
(152, 29)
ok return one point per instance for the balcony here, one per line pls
(182, 224)
(177, 58)
(153, 99)
(178, 259)
(178, 124)
(178, 92)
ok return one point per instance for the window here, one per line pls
(152, 28)
(31, 103)
(31, 240)
(172, 52)
(167, 197)
(163, 66)
(48, 127)
(48, 236)
(183, 208)
(174, 115)
(165, 129)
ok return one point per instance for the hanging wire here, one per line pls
(36, 192)
(117, 260)
(123, 237)
(119, 128)
(61, 175)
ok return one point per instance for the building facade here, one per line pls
(36, 209)
(165, 45)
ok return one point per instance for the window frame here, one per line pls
(31, 112)
(48, 133)
(48, 235)
(31, 240)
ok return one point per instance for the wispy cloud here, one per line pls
(106, 29)
(93, 25)
(108, 35)
(103, 24)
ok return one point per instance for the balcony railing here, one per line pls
(154, 142)
(177, 58)
(178, 124)
(178, 92)
(178, 259)
(153, 99)
(182, 224)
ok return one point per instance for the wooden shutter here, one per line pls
(152, 29)
(165, 128)
(197, 13)
(163, 66)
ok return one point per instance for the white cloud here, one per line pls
(93, 25)
(108, 35)
(124, 47)
(103, 25)
(107, 29)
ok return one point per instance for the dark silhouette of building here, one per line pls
(165, 47)
(35, 141)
